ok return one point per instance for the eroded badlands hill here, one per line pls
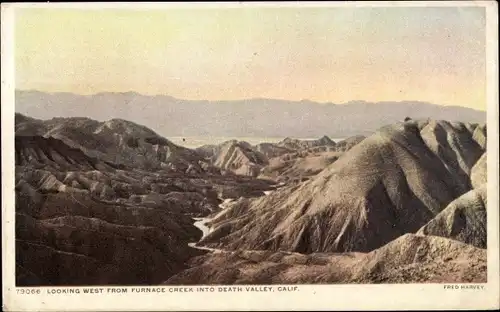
(82, 220)
(307, 160)
(77, 222)
(285, 161)
(235, 156)
(114, 203)
(117, 141)
(391, 183)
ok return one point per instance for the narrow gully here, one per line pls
(200, 223)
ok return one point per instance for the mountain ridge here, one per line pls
(306, 101)
(238, 118)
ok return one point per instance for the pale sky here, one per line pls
(321, 54)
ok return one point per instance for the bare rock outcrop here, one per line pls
(479, 135)
(479, 172)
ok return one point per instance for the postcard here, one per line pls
(250, 156)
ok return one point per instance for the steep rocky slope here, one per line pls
(479, 135)
(239, 158)
(117, 141)
(391, 183)
(479, 172)
(305, 162)
(234, 156)
(81, 220)
(38, 151)
(297, 167)
(464, 219)
(408, 259)
(270, 150)
(77, 223)
(285, 160)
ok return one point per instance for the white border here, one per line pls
(322, 297)
(215, 4)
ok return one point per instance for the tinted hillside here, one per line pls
(117, 141)
(391, 183)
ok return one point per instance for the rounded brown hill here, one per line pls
(391, 183)
(118, 141)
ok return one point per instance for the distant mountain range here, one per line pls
(257, 117)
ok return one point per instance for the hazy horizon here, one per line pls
(353, 101)
(319, 54)
(251, 117)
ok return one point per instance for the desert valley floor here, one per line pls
(114, 203)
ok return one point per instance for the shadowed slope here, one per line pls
(82, 220)
(391, 183)
(464, 219)
(116, 140)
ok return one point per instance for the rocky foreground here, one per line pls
(409, 258)
(115, 203)
(83, 219)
